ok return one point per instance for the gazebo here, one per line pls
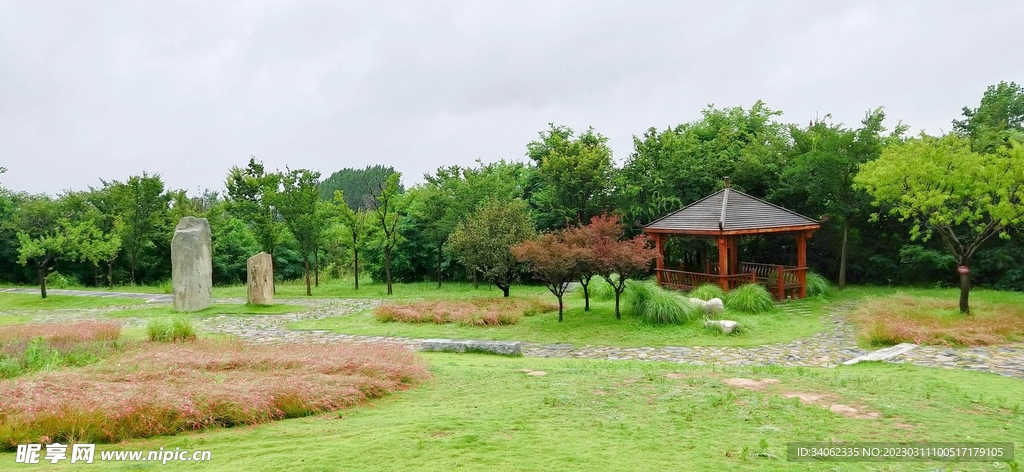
(727, 215)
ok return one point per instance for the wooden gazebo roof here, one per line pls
(730, 212)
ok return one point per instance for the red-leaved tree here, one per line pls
(613, 255)
(553, 260)
(583, 238)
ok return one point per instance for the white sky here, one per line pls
(103, 89)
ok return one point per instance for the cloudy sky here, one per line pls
(101, 89)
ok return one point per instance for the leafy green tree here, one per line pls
(826, 159)
(998, 119)
(680, 165)
(141, 205)
(575, 175)
(355, 230)
(233, 244)
(300, 205)
(945, 188)
(357, 185)
(484, 242)
(434, 214)
(389, 206)
(252, 192)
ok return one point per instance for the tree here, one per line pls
(251, 195)
(575, 172)
(300, 205)
(484, 241)
(943, 187)
(141, 204)
(435, 214)
(615, 259)
(356, 229)
(357, 185)
(582, 238)
(389, 207)
(998, 119)
(826, 159)
(553, 260)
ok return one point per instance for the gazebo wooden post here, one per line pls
(734, 256)
(723, 263)
(659, 262)
(801, 262)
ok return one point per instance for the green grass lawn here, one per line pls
(166, 311)
(33, 302)
(481, 413)
(596, 327)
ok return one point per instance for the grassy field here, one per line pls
(596, 327)
(484, 413)
(33, 302)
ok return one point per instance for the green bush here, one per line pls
(750, 298)
(655, 305)
(818, 285)
(39, 355)
(58, 280)
(9, 367)
(171, 330)
(599, 290)
(707, 292)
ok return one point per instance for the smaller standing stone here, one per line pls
(725, 326)
(260, 279)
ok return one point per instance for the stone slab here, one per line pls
(883, 354)
(505, 348)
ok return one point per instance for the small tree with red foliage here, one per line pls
(553, 260)
(613, 255)
(583, 238)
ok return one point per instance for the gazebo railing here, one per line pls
(686, 281)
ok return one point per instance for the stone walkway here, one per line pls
(148, 297)
(829, 348)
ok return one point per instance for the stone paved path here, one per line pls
(834, 345)
(149, 297)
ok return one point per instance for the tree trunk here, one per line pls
(110, 274)
(438, 266)
(42, 280)
(617, 315)
(316, 267)
(305, 264)
(504, 290)
(559, 308)
(476, 283)
(965, 292)
(356, 266)
(586, 293)
(387, 266)
(842, 254)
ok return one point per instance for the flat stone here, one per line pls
(505, 348)
(883, 354)
(725, 326)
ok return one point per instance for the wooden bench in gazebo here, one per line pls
(727, 215)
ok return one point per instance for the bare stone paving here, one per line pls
(828, 348)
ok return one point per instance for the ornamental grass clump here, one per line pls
(656, 305)
(599, 289)
(177, 329)
(750, 298)
(166, 388)
(818, 285)
(707, 292)
(896, 319)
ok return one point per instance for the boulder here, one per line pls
(260, 280)
(505, 348)
(192, 264)
(697, 301)
(725, 326)
(713, 306)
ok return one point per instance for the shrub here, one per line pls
(818, 285)
(750, 298)
(656, 305)
(9, 367)
(58, 280)
(157, 388)
(707, 292)
(175, 329)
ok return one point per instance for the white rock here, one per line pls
(697, 301)
(192, 264)
(726, 326)
(713, 306)
(260, 280)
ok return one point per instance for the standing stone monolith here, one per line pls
(192, 264)
(260, 280)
